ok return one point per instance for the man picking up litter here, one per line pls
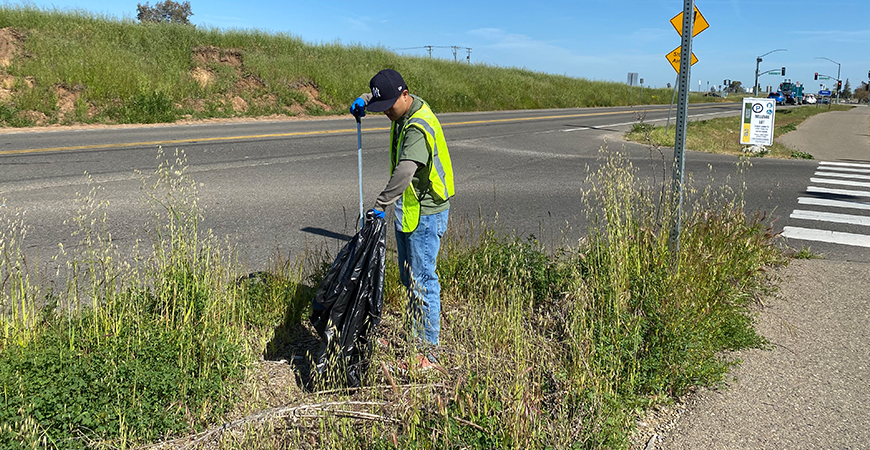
(420, 186)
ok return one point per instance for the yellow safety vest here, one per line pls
(407, 208)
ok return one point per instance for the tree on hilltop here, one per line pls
(166, 11)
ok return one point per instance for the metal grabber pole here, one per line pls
(359, 164)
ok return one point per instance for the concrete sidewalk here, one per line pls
(812, 389)
(836, 135)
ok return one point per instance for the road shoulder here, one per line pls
(810, 390)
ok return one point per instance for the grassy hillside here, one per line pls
(77, 67)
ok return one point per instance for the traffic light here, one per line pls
(816, 77)
(839, 85)
(783, 71)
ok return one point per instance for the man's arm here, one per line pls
(411, 158)
(401, 179)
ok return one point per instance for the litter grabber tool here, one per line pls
(359, 164)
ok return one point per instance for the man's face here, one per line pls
(403, 103)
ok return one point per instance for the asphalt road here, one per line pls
(285, 186)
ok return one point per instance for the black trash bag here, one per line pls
(348, 303)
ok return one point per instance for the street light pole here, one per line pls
(838, 75)
(757, 62)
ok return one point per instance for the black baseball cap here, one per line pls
(386, 86)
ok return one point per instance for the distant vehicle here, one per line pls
(792, 92)
(711, 94)
(780, 99)
(809, 99)
(825, 101)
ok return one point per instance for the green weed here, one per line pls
(806, 253)
(129, 354)
(787, 127)
(801, 155)
(154, 107)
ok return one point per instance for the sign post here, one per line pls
(686, 59)
(632, 80)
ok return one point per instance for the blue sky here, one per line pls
(593, 39)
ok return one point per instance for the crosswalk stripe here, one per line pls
(840, 164)
(834, 237)
(824, 190)
(843, 175)
(831, 217)
(843, 169)
(839, 182)
(833, 203)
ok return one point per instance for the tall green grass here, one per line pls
(541, 347)
(557, 347)
(127, 349)
(722, 134)
(124, 72)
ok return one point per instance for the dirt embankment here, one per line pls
(10, 42)
(206, 57)
(71, 104)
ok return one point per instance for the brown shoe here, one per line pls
(424, 363)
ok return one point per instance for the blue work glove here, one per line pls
(378, 213)
(358, 108)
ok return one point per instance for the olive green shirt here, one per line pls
(414, 148)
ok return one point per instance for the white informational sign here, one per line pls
(757, 123)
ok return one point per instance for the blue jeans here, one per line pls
(418, 258)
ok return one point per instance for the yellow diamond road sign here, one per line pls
(674, 58)
(700, 23)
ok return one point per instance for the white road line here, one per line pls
(834, 237)
(839, 182)
(831, 217)
(833, 203)
(611, 125)
(843, 175)
(840, 164)
(824, 190)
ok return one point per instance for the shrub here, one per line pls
(166, 11)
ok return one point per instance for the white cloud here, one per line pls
(497, 39)
(646, 35)
(357, 25)
(858, 36)
(518, 50)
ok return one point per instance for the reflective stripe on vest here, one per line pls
(407, 208)
(435, 159)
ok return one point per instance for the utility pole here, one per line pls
(468, 58)
(429, 47)
(757, 62)
(455, 48)
(838, 74)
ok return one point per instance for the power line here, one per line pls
(455, 49)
